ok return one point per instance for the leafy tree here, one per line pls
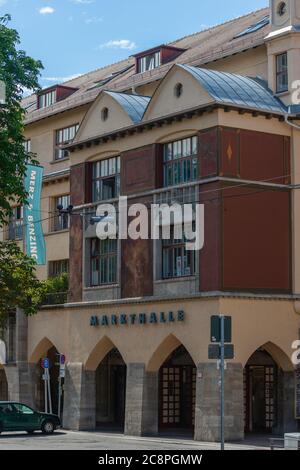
(18, 72)
(19, 286)
(55, 289)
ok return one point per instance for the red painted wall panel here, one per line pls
(256, 240)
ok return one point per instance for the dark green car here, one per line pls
(19, 417)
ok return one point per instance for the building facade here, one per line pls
(210, 119)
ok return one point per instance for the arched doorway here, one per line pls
(3, 385)
(261, 378)
(111, 391)
(177, 391)
(53, 356)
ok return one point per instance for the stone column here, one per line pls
(207, 416)
(141, 411)
(20, 374)
(286, 421)
(20, 381)
(79, 398)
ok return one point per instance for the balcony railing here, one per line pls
(57, 298)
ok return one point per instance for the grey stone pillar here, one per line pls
(286, 421)
(79, 398)
(141, 411)
(21, 383)
(207, 416)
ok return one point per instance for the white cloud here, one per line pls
(82, 2)
(118, 44)
(46, 10)
(93, 19)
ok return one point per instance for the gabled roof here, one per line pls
(133, 105)
(230, 88)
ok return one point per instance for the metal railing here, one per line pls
(57, 298)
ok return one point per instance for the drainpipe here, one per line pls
(294, 126)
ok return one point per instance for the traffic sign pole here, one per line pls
(222, 319)
(45, 391)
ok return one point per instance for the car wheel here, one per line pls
(48, 427)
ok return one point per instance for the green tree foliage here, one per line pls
(19, 286)
(18, 72)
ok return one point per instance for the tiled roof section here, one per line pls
(229, 88)
(201, 48)
(133, 105)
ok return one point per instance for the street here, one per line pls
(68, 440)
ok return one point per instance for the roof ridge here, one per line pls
(218, 25)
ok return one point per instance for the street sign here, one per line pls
(45, 363)
(214, 351)
(62, 359)
(216, 329)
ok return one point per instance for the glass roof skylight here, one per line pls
(254, 27)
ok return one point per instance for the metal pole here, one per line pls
(45, 390)
(222, 319)
(49, 391)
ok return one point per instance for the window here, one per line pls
(181, 161)
(282, 73)
(15, 226)
(104, 114)
(177, 261)
(64, 137)
(27, 145)
(178, 90)
(149, 62)
(254, 27)
(47, 99)
(106, 179)
(104, 255)
(25, 410)
(61, 222)
(56, 268)
(282, 9)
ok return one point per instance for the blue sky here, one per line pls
(74, 36)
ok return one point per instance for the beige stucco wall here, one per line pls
(256, 323)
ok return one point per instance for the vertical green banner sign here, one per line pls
(34, 237)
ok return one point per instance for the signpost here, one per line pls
(47, 389)
(221, 335)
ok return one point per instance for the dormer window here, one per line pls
(149, 62)
(47, 99)
(153, 58)
(54, 94)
